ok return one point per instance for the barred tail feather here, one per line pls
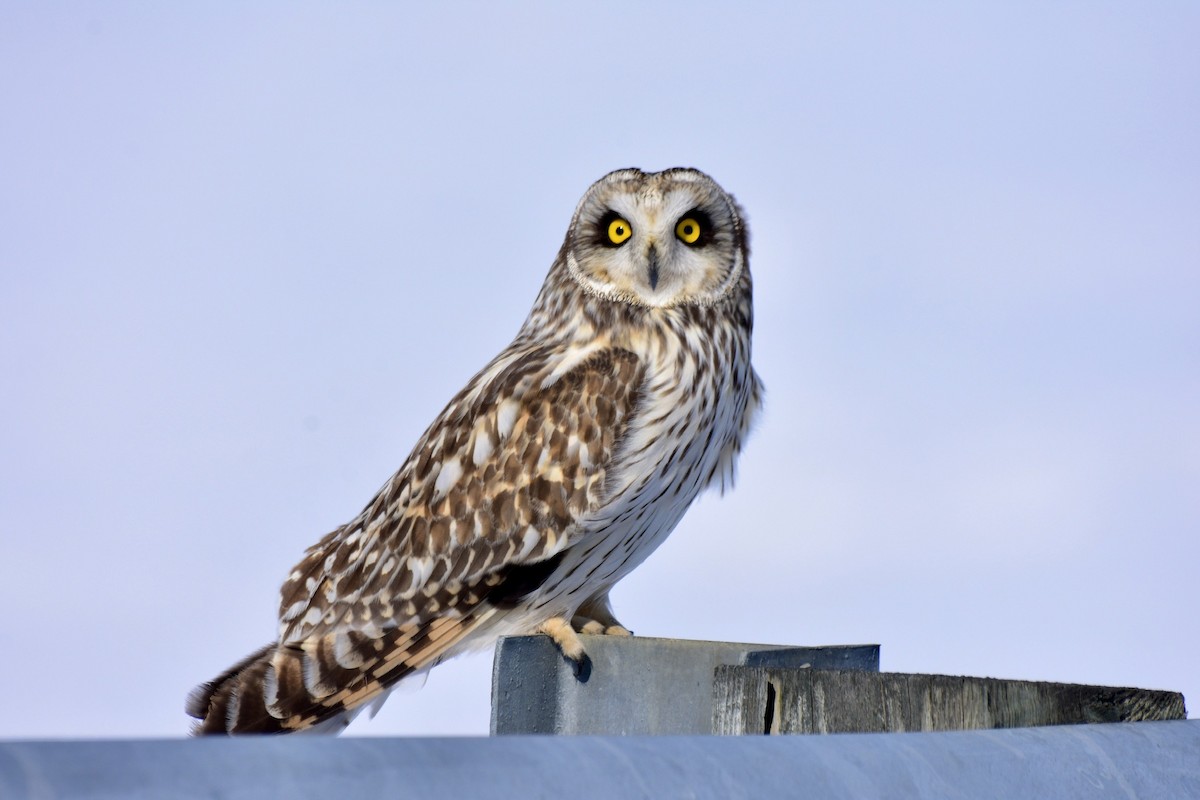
(235, 701)
(320, 684)
(263, 693)
(266, 693)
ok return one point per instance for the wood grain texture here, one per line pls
(756, 700)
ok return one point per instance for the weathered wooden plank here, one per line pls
(758, 700)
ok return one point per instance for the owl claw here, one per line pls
(565, 636)
(566, 639)
(598, 627)
(595, 617)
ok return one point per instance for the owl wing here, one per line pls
(477, 517)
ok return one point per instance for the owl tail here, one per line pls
(226, 703)
(237, 700)
(319, 684)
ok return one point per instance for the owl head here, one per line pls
(657, 239)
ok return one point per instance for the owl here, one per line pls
(554, 472)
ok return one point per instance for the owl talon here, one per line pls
(566, 639)
(599, 627)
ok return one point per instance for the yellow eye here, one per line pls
(688, 230)
(619, 231)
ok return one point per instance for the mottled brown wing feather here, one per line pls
(495, 488)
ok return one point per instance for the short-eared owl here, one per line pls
(553, 473)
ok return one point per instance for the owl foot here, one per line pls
(596, 617)
(596, 627)
(565, 638)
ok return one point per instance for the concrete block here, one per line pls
(632, 685)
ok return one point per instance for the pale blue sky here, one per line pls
(247, 255)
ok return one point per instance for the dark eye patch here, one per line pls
(702, 219)
(601, 235)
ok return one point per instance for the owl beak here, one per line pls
(652, 272)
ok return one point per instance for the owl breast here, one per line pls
(697, 393)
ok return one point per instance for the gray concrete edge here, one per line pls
(1145, 760)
